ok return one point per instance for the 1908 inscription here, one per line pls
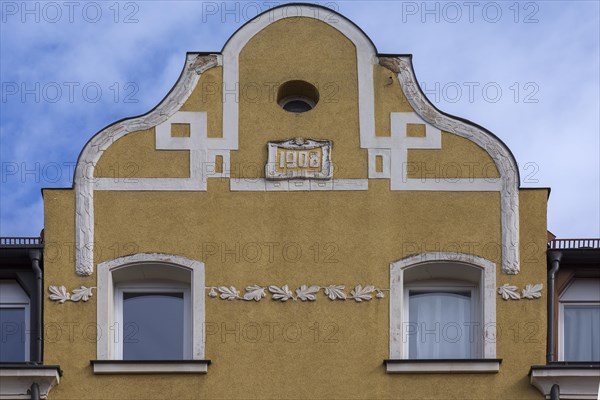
(299, 159)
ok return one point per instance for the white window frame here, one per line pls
(445, 286)
(150, 288)
(576, 302)
(18, 298)
(106, 348)
(399, 358)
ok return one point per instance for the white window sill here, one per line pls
(575, 380)
(150, 366)
(16, 379)
(473, 366)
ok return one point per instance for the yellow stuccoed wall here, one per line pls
(320, 349)
(329, 63)
(135, 156)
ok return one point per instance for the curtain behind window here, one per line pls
(440, 325)
(582, 333)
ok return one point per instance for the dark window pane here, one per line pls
(582, 333)
(297, 106)
(153, 326)
(440, 325)
(12, 334)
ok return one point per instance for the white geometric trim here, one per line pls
(505, 163)
(210, 168)
(452, 185)
(149, 184)
(386, 167)
(487, 289)
(105, 308)
(202, 155)
(295, 185)
(400, 143)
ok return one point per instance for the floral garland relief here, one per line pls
(511, 292)
(303, 293)
(60, 294)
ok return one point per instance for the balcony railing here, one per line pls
(20, 241)
(574, 244)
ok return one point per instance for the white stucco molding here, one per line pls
(487, 287)
(84, 180)
(365, 53)
(295, 185)
(203, 150)
(201, 156)
(504, 160)
(105, 347)
(283, 293)
(202, 153)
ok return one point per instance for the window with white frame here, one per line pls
(442, 307)
(14, 322)
(152, 307)
(443, 319)
(153, 320)
(579, 321)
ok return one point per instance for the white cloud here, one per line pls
(558, 56)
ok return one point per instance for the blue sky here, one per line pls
(527, 71)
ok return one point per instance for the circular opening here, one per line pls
(297, 104)
(297, 96)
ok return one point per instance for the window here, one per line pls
(14, 322)
(442, 314)
(153, 321)
(297, 104)
(152, 306)
(297, 96)
(579, 321)
(442, 320)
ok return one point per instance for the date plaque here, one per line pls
(299, 158)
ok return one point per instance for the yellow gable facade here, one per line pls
(370, 246)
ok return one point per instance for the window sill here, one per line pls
(150, 366)
(443, 366)
(16, 379)
(575, 380)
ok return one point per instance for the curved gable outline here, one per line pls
(498, 151)
(84, 180)
(196, 64)
(366, 54)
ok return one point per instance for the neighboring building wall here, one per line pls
(22, 368)
(572, 369)
(304, 349)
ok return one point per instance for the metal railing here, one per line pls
(20, 241)
(574, 244)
